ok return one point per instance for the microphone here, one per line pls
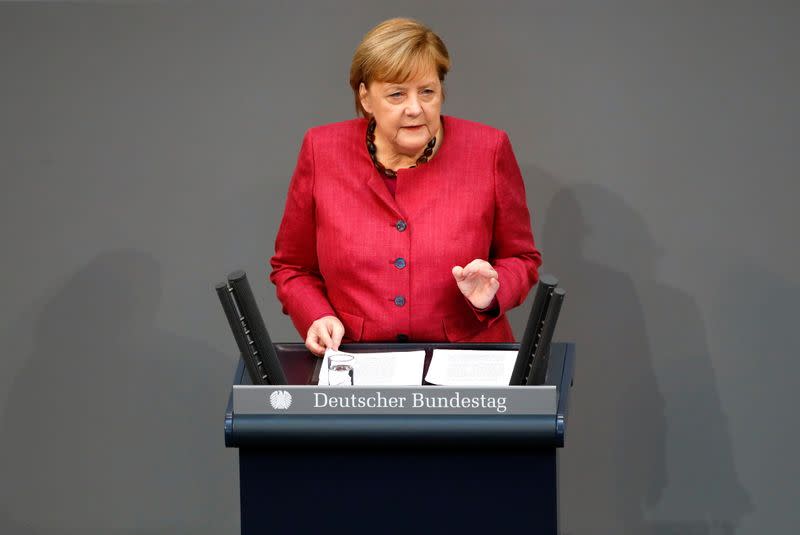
(533, 329)
(249, 331)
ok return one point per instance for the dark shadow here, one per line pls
(756, 318)
(614, 459)
(540, 188)
(643, 455)
(114, 426)
(704, 494)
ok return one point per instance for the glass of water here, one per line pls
(340, 369)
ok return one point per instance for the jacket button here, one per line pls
(400, 263)
(401, 225)
(399, 300)
(402, 338)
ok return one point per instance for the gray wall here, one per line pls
(145, 151)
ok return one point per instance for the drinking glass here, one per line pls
(340, 369)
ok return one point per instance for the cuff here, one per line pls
(486, 314)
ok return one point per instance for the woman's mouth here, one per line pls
(414, 128)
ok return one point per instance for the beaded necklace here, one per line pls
(372, 149)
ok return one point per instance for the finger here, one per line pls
(458, 273)
(324, 336)
(482, 266)
(477, 264)
(338, 334)
(470, 268)
(313, 346)
(488, 271)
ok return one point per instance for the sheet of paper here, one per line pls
(382, 369)
(471, 367)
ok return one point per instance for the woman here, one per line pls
(403, 225)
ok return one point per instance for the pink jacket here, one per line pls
(382, 265)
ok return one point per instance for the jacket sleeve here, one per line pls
(513, 253)
(295, 268)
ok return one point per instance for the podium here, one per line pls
(398, 473)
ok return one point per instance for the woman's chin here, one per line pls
(413, 143)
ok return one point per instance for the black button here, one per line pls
(400, 263)
(401, 225)
(402, 338)
(399, 300)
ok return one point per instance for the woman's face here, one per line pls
(407, 114)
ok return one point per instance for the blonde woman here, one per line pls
(403, 224)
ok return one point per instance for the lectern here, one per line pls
(396, 473)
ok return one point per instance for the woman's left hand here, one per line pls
(478, 282)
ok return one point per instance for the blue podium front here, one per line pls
(398, 473)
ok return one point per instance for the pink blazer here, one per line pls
(382, 265)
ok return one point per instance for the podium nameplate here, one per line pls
(399, 400)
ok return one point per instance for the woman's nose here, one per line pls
(413, 108)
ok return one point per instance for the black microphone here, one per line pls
(258, 376)
(533, 329)
(249, 330)
(255, 324)
(541, 357)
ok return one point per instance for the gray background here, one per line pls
(145, 151)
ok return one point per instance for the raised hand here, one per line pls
(478, 281)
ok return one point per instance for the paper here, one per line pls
(471, 367)
(382, 369)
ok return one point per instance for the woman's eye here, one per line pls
(396, 95)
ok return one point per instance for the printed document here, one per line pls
(401, 368)
(471, 367)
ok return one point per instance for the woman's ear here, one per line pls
(362, 96)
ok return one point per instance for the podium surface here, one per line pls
(395, 473)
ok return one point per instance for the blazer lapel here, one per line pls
(377, 185)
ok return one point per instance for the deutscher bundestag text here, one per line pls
(418, 400)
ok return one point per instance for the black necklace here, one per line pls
(372, 150)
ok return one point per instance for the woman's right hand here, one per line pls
(323, 333)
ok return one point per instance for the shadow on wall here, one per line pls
(645, 454)
(757, 313)
(115, 426)
(540, 188)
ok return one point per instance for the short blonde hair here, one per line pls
(394, 51)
